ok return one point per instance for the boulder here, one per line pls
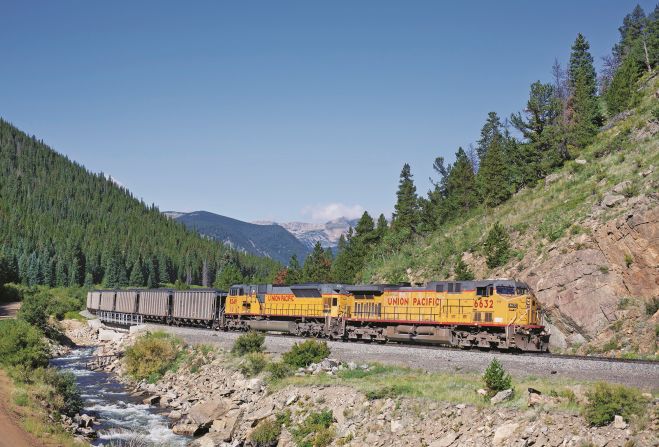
(501, 396)
(503, 433)
(619, 422)
(580, 161)
(208, 440)
(152, 400)
(95, 324)
(225, 428)
(109, 335)
(205, 413)
(611, 200)
(187, 429)
(85, 421)
(262, 413)
(620, 187)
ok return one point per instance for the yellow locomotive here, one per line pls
(499, 314)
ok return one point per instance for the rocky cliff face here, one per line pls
(583, 279)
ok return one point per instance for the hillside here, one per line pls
(63, 225)
(586, 238)
(272, 241)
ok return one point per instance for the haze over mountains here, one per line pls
(275, 240)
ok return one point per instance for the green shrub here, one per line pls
(628, 260)
(315, 431)
(152, 355)
(279, 370)
(248, 342)
(652, 306)
(20, 398)
(305, 353)
(462, 271)
(553, 226)
(391, 391)
(631, 189)
(22, 345)
(607, 400)
(266, 433)
(497, 246)
(254, 363)
(496, 378)
(34, 310)
(58, 389)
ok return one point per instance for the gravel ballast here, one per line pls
(642, 375)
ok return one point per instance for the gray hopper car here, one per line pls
(126, 301)
(154, 303)
(107, 300)
(93, 300)
(196, 305)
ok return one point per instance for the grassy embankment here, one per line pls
(597, 402)
(41, 395)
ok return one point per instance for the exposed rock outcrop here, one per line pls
(582, 280)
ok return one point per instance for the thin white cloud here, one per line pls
(331, 211)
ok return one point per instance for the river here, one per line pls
(121, 416)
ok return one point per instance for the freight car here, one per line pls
(490, 314)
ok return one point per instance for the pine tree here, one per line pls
(493, 178)
(77, 267)
(343, 270)
(491, 130)
(294, 275)
(541, 126)
(61, 273)
(137, 275)
(461, 191)
(89, 280)
(381, 227)
(585, 116)
(317, 266)
(622, 93)
(633, 33)
(406, 214)
(461, 271)
(497, 246)
(227, 277)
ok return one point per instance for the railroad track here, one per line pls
(447, 348)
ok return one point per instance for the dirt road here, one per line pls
(11, 435)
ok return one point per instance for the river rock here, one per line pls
(208, 440)
(205, 413)
(85, 421)
(501, 396)
(152, 400)
(187, 429)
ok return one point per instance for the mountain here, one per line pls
(327, 234)
(61, 224)
(271, 240)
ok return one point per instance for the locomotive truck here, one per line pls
(486, 314)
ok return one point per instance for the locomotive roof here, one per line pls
(329, 288)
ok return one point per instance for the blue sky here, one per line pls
(278, 110)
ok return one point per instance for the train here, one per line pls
(483, 314)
